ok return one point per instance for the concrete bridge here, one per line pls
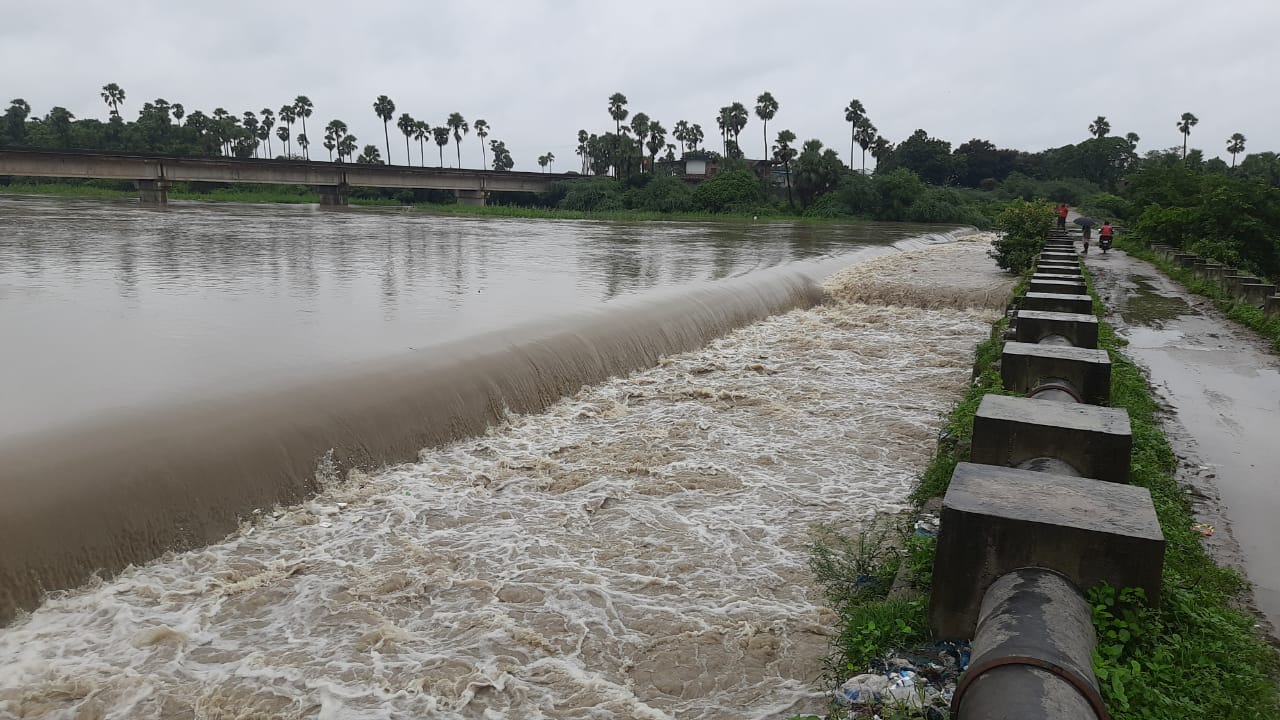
(154, 174)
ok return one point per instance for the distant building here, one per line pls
(696, 166)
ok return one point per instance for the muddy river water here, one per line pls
(635, 549)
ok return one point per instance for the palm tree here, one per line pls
(1133, 139)
(335, 131)
(282, 132)
(459, 127)
(288, 116)
(854, 114)
(581, 152)
(482, 131)
(304, 143)
(1235, 145)
(723, 121)
(268, 122)
(542, 162)
(421, 131)
(618, 110)
(441, 136)
(784, 153)
(695, 136)
(657, 139)
(881, 149)
(865, 136)
(1099, 127)
(766, 108)
(329, 144)
(302, 110)
(407, 125)
(681, 133)
(113, 95)
(1187, 122)
(384, 108)
(370, 156)
(738, 117)
(551, 159)
(347, 146)
(251, 125)
(639, 126)
(178, 112)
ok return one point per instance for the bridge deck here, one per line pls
(124, 166)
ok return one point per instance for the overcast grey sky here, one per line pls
(1022, 73)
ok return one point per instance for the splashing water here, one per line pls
(635, 551)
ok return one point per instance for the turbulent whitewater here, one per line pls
(636, 550)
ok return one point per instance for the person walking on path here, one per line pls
(1062, 216)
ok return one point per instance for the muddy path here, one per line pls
(1221, 387)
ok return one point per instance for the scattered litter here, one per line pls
(924, 682)
(1204, 529)
(928, 525)
(326, 524)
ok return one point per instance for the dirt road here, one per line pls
(1222, 386)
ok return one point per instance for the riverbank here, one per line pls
(1198, 655)
(305, 196)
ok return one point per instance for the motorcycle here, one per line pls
(1105, 244)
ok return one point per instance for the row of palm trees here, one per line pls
(1100, 127)
(258, 127)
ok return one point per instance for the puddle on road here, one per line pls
(1145, 306)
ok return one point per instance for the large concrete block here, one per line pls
(1059, 257)
(1256, 294)
(1272, 306)
(1010, 431)
(1233, 283)
(1057, 302)
(1026, 366)
(1044, 268)
(1065, 285)
(996, 520)
(1186, 260)
(1032, 326)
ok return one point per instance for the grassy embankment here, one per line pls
(1196, 656)
(1243, 313)
(292, 195)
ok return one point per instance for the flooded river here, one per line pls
(634, 549)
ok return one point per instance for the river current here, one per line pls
(637, 549)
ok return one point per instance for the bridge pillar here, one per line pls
(335, 195)
(471, 197)
(153, 192)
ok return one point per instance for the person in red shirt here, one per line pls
(1104, 235)
(1062, 216)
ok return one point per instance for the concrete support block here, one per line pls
(1044, 268)
(1186, 260)
(996, 520)
(1026, 366)
(1032, 326)
(153, 192)
(1060, 257)
(1057, 302)
(334, 195)
(1010, 431)
(1200, 268)
(1065, 285)
(471, 197)
(1256, 294)
(1272, 306)
(1234, 282)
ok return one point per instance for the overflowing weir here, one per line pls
(637, 546)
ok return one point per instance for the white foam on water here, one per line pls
(636, 551)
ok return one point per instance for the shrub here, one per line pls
(1025, 226)
(737, 188)
(896, 192)
(593, 195)
(663, 194)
